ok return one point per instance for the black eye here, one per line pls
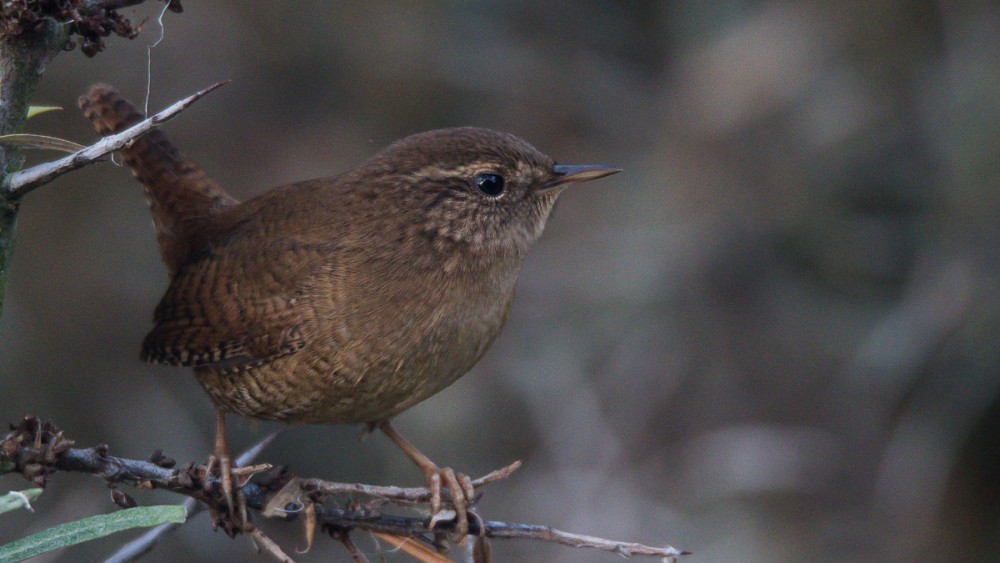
(490, 184)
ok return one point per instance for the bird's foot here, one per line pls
(459, 486)
(461, 493)
(233, 519)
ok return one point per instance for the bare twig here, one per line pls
(402, 526)
(415, 550)
(144, 543)
(267, 544)
(20, 183)
(501, 530)
(90, 6)
(345, 538)
(397, 494)
(36, 450)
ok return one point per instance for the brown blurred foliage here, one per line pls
(774, 337)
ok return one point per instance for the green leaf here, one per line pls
(45, 142)
(18, 499)
(35, 110)
(86, 529)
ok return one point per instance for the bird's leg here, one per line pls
(220, 457)
(459, 485)
(222, 460)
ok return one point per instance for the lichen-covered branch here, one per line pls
(36, 450)
(21, 66)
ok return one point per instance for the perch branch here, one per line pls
(22, 182)
(147, 541)
(398, 494)
(36, 450)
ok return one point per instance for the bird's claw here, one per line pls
(235, 520)
(460, 489)
(462, 494)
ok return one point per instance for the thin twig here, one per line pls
(352, 549)
(267, 544)
(90, 6)
(144, 543)
(403, 526)
(503, 530)
(20, 183)
(415, 550)
(398, 494)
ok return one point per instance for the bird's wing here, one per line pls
(238, 309)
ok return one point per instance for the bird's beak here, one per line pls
(569, 173)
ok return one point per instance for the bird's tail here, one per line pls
(181, 195)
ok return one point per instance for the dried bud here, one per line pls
(184, 479)
(61, 443)
(32, 470)
(9, 446)
(123, 500)
(157, 458)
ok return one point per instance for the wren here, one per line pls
(346, 299)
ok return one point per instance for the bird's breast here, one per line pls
(406, 342)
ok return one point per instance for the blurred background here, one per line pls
(773, 337)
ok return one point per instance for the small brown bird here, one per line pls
(346, 299)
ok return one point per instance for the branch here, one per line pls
(91, 6)
(21, 66)
(22, 182)
(399, 494)
(501, 530)
(147, 541)
(36, 450)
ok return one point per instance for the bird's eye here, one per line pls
(490, 184)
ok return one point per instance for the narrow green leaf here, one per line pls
(35, 110)
(45, 142)
(86, 529)
(18, 499)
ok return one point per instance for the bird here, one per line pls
(346, 299)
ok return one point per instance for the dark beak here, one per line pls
(569, 173)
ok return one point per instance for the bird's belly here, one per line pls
(368, 380)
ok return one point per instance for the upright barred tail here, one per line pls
(181, 196)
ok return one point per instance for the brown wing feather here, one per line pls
(221, 313)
